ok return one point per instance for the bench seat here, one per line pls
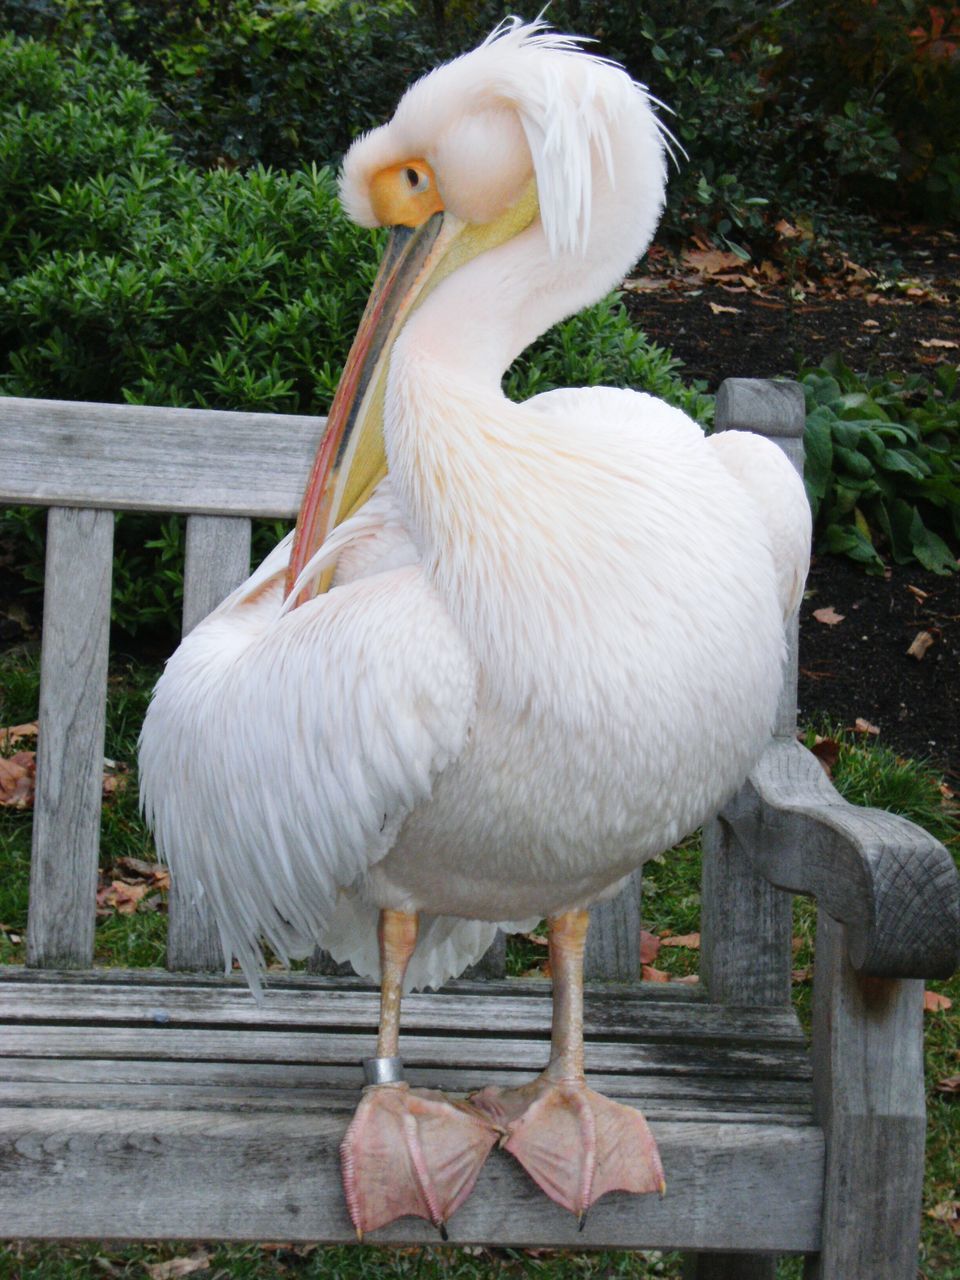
(117, 1089)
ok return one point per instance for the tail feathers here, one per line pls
(445, 947)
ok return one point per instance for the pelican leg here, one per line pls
(407, 1151)
(574, 1143)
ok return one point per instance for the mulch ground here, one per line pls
(724, 321)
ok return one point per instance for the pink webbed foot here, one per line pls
(576, 1144)
(411, 1151)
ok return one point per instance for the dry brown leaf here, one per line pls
(712, 262)
(17, 733)
(827, 751)
(934, 1002)
(689, 940)
(540, 971)
(916, 591)
(719, 310)
(870, 324)
(943, 343)
(864, 726)
(920, 644)
(537, 939)
(646, 284)
(828, 616)
(947, 1212)
(650, 974)
(177, 1267)
(122, 897)
(17, 777)
(949, 1084)
(649, 946)
(802, 975)
(691, 980)
(786, 230)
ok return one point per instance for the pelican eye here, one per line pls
(405, 194)
(416, 180)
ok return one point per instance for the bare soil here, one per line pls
(720, 327)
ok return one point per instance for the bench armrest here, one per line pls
(891, 883)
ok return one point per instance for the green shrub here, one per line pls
(128, 275)
(883, 465)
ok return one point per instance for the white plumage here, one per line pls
(554, 641)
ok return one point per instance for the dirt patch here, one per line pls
(722, 328)
(861, 667)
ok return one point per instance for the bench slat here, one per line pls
(121, 1174)
(144, 458)
(66, 822)
(217, 561)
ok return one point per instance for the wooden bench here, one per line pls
(167, 1105)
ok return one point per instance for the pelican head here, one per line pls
(526, 141)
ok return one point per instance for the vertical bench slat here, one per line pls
(66, 824)
(746, 924)
(613, 940)
(217, 561)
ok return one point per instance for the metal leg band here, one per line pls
(383, 1070)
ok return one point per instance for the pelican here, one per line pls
(510, 652)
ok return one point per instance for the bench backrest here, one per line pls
(219, 469)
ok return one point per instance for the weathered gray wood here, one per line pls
(217, 560)
(606, 1016)
(768, 407)
(612, 952)
(226, 1086)
(124, 1174)
(745, 926)
(73, 673)
(729, 1266)
(142, 458)
(888, 880)
(745, 923)
(868, 1095)
(417, 1050)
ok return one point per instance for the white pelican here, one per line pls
(488, 686)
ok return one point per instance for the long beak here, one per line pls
(350, 461)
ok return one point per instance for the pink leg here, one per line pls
(574, 1143)
(407, 1151)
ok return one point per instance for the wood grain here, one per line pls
(124, 1174)
(145, 458)
(868, 1095)
(217, 560)
(73, 691)
(893, 885)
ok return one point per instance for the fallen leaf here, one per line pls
(947, 1212)
(949, 1084)
(689, 940)
(802, 975)
(864, 726)
(786, 230)
(718, 310)
(650, 974)
(828, 616)
(16, 733)
(646, 284)
(122, 897)
(712, 262)
(870, 324)
(691, 980)
(649, 946)
(17, 777)
(178, 1267)
(827, 751)
(947, 793)
(934, 1002)
(921, 643)
(540, 971)
(537, 939)
(943, 343)
(916, 591)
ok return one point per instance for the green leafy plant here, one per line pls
(883, 464)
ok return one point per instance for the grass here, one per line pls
(865, 773)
